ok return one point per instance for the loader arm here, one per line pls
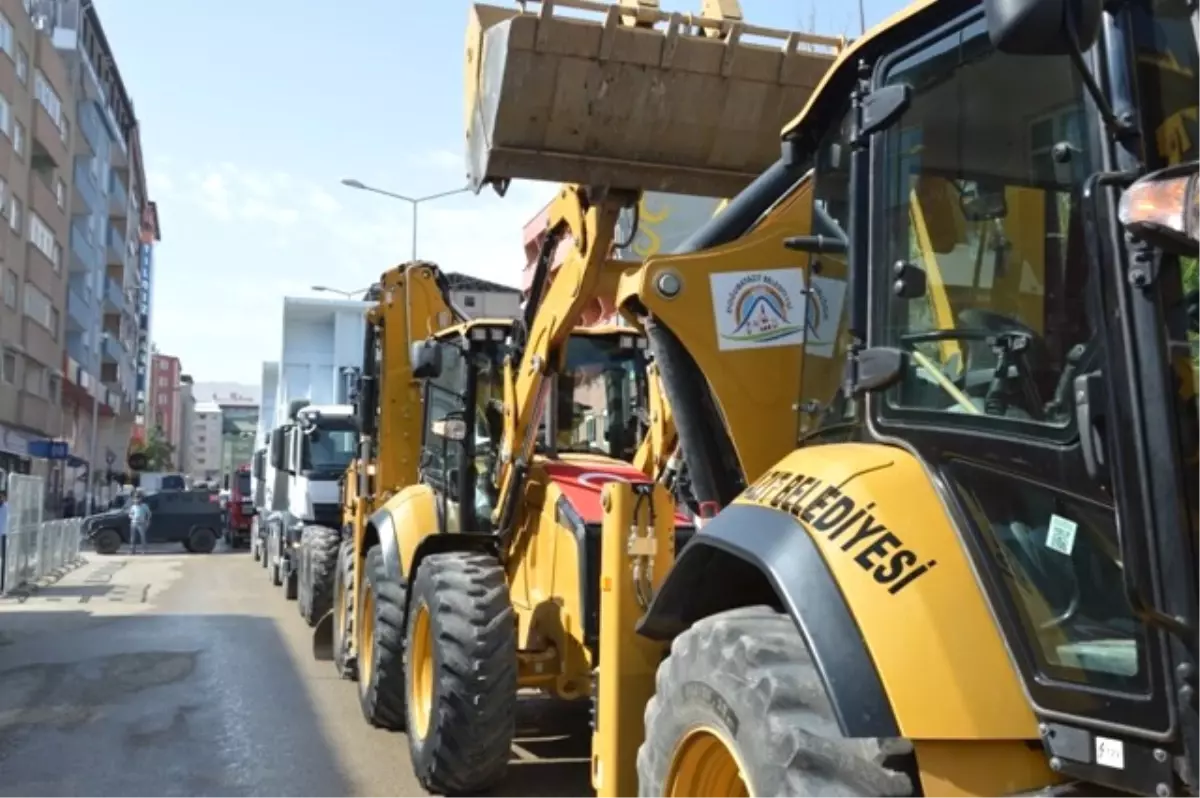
(552, 313)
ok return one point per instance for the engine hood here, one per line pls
(581, 481)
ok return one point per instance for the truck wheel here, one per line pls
(343, 614)
(750, 666)
(461, 673)
(319, 561)
(273, 566)
(255, 551)
(381, 645)
(290, 584)
(201, 540)
(107, 541)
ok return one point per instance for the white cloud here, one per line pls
(239, 239)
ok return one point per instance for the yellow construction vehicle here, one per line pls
(602, 413)
(930, 594)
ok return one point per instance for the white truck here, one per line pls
(307, 435)
(307, 458)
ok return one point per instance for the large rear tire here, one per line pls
(740, 709)
(461, 673)
(317, 571)
(381, 645)
(343, 615)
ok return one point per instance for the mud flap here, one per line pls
(323, 638)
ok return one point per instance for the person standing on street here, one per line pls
(139, 522)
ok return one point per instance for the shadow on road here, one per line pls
(155, 704)
(551, 750)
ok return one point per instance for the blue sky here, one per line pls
(251, 114)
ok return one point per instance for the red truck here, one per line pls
(239, 510)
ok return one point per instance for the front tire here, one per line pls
(317, 570)
(740, 709)
(461, 673)
(380, 645)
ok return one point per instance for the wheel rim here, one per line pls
(366, 637)
(420, 672)
(704, 764)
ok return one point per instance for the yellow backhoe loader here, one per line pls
(604, 419)
(976, 573)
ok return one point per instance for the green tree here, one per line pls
(159, 452)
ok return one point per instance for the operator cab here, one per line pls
(592, 406)
(1037, 359)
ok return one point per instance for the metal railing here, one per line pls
(33, 554)
(35, 549)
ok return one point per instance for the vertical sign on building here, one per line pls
(149, 234)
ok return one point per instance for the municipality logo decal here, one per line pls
(761, 310)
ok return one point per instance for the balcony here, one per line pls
(79, 311)
(48, 139)
(115, 247)
(41, 345)
(87, 193)
(85, 256)
(118, 197)
(88, 120)
(111, 351)
(114, 297)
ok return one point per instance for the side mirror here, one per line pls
(1163, 208)
(1042, 27)
(451, 429)
(427, 360)
(277, 459)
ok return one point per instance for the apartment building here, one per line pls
(35, 188)
(112, 229)
(165, 411)
(205, 443)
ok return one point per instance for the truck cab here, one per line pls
(240, 510)
(307, 459)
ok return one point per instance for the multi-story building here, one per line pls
(165, 413)
(204, 443)
(112, 229)
(35, 189)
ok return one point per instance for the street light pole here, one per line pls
(413, 201)
(347, 294)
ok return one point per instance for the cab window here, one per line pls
(983, 177)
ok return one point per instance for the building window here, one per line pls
(15, 212)
(35, 378)
(48, 97)
(18, 138)
(38, 306)
(54, 321)
(64, 130)
(60, 192)
(162, 382)
(162, 398)
(468, 301)
(8, 368)
(42, 237)
(5, 116)
(6, 36)
(10, 288)
(22, 64)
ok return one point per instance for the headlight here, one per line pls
(1164, 208)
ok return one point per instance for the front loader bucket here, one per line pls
(323, 638)
(678, 103)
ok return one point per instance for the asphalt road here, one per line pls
(174, 674)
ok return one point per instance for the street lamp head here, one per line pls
(320, 288)
(352, 183)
